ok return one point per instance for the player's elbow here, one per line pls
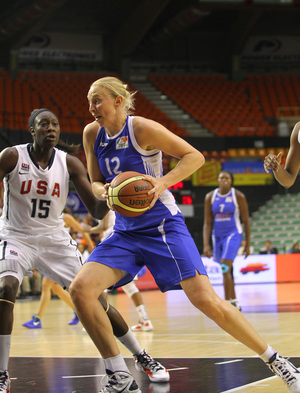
(200, 159)
(288, 183)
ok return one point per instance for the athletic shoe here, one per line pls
(144, 325)
(34, 323)
(120, 381)
(156, 372)
(4, 382)
(75, 320)
(286, 371)
(236, 304)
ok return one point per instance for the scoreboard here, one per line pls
(184, 197)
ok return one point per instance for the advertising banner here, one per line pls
(253, 269)
(246, 173)
(288, 267)
(271, 49)
(52, 45)
(207, 175)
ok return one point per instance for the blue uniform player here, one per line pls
(222, 211)
(116, 142)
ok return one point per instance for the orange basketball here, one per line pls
(128, 194)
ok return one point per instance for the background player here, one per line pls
(222, 210)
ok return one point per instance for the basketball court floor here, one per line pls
(199, 356)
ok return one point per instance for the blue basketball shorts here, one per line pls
(226, 247)
(168, 251)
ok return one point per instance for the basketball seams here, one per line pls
(128, 208)
(121, 202)
(128, 181)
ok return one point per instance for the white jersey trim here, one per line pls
(134, 141)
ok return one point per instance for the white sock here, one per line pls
(266, 356)
(142, 312)
(115, 363)
(4, 351)
(131, 343)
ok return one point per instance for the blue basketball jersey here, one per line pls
(122, 153)
(226, 213)
(159, 237)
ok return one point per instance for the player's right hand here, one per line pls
(207, 252)
(105, 195)
(272, 162)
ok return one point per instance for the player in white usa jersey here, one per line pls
(32, 233)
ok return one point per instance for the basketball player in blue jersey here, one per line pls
(32, 234)
(116, 142)
(222, 211)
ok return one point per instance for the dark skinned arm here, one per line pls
(244, 212)
(8, 161)
(207, 227)
(286, 176)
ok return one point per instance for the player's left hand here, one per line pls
(158, 188)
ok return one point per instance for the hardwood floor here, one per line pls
(214, 361)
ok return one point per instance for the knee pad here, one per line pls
(130, 289)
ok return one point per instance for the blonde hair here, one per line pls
(117, 88)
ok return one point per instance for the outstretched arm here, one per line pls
(286, 176)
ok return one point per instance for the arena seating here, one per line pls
(65, 94)
(233, 108)
(278, 220)
(241, 154)
(227, 108)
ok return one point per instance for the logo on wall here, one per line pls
(275, 49)
(55, 45)
(268, 45)
(38, 41)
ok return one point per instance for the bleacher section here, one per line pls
(65, 94)
(279, 221)
(233, 108)
(244, 154)
(226, 108)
